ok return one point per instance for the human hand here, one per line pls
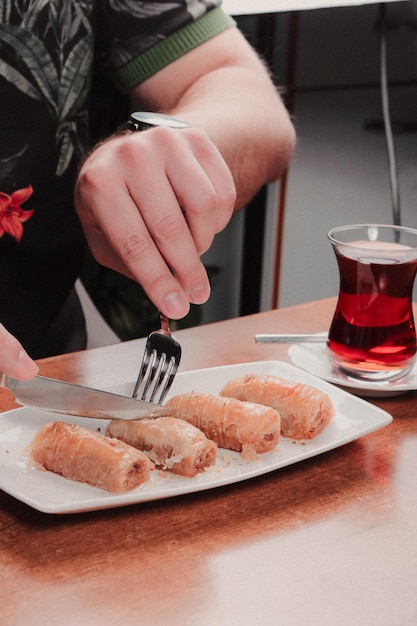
(14, 360)
(150, 204)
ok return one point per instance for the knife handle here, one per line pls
(294, 338)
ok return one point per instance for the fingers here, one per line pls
(14, 360)
(204, 188)
(150, 204)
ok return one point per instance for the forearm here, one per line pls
(250, 126)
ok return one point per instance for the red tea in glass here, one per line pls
(372, 335)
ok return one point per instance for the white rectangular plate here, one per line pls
(52, 493)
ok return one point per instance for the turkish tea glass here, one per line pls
(372, 336)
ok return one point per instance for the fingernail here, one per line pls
(176, 305)
(200, 294)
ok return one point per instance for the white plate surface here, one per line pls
(52, 493)
(313, 358)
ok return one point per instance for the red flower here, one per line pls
(11, 214)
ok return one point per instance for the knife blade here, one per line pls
(59, 396)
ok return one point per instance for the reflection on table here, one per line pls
(327, 541)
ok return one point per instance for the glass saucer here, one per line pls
(313, 358)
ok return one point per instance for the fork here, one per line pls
(159, 364)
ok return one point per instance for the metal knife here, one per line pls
(58, 396)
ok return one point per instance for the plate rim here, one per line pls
(101, 500)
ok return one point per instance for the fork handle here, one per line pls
(294, 338)
(165, 325)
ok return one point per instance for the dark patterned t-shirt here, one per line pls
(46, 57)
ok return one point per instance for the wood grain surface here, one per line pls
(329, 541)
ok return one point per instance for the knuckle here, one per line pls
(228, 195)
(135, 248)
(166, 229)
(205, 149)
(88, 181)
(198, 135)
(205, 201)
(128, 149)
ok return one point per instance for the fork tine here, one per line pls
(159, 365)
(151, 373)
(169, 380)
(162, 371)
(142, 371)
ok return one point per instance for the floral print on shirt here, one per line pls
(12, 216)
(53, 44)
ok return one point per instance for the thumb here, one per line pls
(14, 360)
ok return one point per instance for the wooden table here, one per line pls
(329, 541)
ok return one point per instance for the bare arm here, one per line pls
(151, 203)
